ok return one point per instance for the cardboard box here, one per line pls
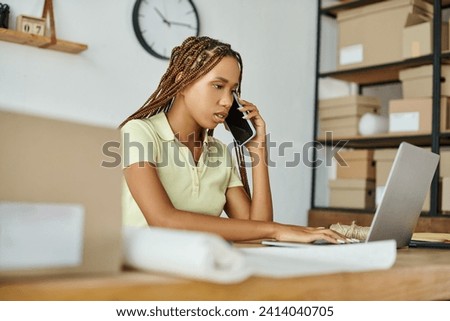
(343, 132)
(373, 34)
(418, 82)
(341, 115)
(352, 193)
(338, 122)
(51, 161)
(418, 36)
(385, 157)
(357, 164)
(444, 164)
(340, 127)
(383, 162)
(354, 101)
(445, 205)
(347, 111)
(415, 115)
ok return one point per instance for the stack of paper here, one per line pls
(432, 237)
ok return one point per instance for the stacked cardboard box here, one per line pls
(445, 174)
(417, 82)
(418, 36)
(354, 186)
(373, 34)
(341, 115)
(446, 195)
(414, 112)
(415, 115)
(384, 159)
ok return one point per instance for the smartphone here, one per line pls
(241, 129)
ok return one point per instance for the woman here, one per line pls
(178, 175)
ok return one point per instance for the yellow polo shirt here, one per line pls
(197, 188)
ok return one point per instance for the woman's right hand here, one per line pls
(292, 233)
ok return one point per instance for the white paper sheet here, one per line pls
(320, 259)
(207, 257)
(36, 235)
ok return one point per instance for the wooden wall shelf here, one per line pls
(40, 41)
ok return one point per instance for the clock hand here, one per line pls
(181, 24)
(162, 17)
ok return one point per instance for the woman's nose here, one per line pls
(227, 100)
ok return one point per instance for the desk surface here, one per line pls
(418, 274)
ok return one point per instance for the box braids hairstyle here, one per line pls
(194, 58)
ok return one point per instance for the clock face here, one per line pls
(160, 25)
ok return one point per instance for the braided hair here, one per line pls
(194, 58)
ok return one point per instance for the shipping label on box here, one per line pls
(36, 236)
(351, 55)
(404, 122)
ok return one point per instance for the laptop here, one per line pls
(401, 203)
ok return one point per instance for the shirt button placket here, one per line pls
(195, 186)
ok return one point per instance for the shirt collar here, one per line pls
(164, 130)
(162, 127)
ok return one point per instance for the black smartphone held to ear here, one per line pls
(241, 129)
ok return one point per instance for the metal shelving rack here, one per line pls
(380, 75)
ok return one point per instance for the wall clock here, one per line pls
(160, 25)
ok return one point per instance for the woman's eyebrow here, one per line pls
(224, 80)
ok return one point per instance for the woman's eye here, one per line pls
(217, 86)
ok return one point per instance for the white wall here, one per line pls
(115, 75)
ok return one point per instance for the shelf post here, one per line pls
(316, 99)
(436, 114)
(48, 11)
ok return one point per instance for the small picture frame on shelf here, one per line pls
(31, 25)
